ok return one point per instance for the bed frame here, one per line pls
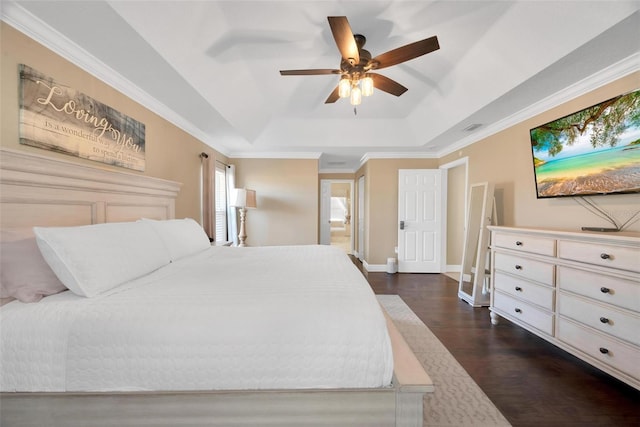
(39, 190)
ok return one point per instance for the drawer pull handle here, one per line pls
(518, 243)
(605, 256)
(604, 320)
(518, 310)
(605, 290)
(518, 267)
(518, 288)
(604, 350)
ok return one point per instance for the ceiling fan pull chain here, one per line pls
(355, 112)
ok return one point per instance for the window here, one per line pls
(338, 208)
(221, 203)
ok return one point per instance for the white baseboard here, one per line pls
(374, 268)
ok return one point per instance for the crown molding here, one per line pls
(614, 72)
(336, 171)
(275, 155)
(396, 155)
(22, 20)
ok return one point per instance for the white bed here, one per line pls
(206, 322)
(280, 335)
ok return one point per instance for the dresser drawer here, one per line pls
(528, 268)
(621, 257)
(614, 322)
(608, 289)
(623, 357)
(517, 309)
(525, 243)
(525, 290)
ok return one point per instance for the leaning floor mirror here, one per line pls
(475, 274)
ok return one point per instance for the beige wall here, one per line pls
(287, 198)
(505, 160)
(456, 206)
(360, 173)
(170, 152)
(341, 189)
(381, 204)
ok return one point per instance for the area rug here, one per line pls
(457, 400)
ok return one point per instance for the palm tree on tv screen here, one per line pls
(605, 121)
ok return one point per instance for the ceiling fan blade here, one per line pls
(333, 97)
(344, 38)
(387, 85)
(312, 72)
(406, 52)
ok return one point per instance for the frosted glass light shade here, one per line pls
(367, 86)
(356, 96)
(344, 87)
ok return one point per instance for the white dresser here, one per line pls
(578, 290)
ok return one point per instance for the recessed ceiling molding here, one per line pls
(32, 26)
(616, 71)
(397, 155)
(329, 170)
(275, 155)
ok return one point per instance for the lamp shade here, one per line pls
(243, 198)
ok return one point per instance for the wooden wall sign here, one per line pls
(58, 118)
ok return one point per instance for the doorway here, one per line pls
(336, 213)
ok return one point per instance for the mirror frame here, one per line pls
(476, 245)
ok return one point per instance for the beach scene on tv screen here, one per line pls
(593, 151)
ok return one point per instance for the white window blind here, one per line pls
(221, 203)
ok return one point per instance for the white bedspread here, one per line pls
(227, 318)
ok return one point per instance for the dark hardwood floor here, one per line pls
(531, 381)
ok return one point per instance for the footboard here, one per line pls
(409, 379)
(400, 405)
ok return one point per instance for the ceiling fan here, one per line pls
(356, 65)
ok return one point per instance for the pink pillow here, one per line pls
(24, 274)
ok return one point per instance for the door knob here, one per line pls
(401, 225)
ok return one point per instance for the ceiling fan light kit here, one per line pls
(344, 87)
(356, 78)
(355, 88)
(367, 85)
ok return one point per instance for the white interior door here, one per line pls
(325, 212)
(361, 218)
(421, 216)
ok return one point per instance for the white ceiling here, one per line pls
(211, 67)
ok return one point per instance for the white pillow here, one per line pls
(182, 237)
(92, 259)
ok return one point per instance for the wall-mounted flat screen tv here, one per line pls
(590, 152)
